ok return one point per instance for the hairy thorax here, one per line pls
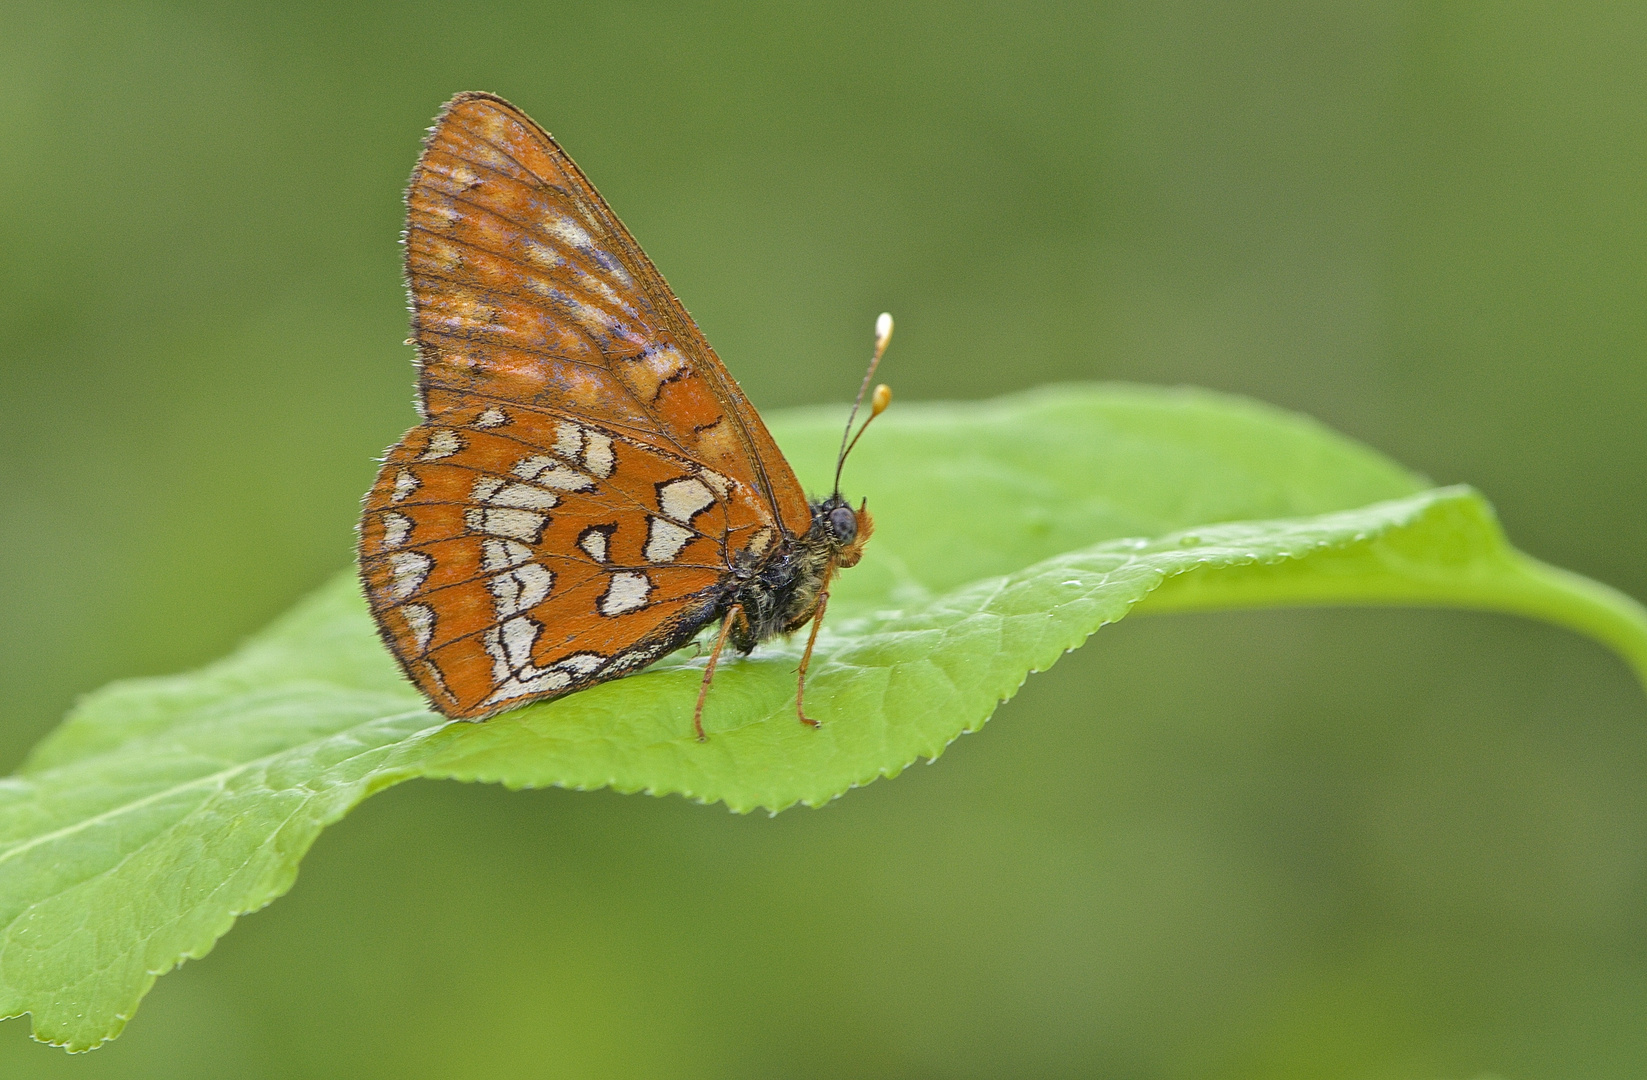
(780, 593)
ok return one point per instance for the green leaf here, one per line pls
(1007, 533)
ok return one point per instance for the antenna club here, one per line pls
(880, 400)
(877, 403)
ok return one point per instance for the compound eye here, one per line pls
(844, 524)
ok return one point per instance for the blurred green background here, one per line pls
(1300, 844)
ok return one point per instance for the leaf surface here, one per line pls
(1007, 533)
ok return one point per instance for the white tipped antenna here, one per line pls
(878, 404)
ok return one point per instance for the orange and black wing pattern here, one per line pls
(587, 470)
(513, 554)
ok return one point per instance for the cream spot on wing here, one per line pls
(633, 659)
(527, 468)
(396, 528)
(664, 540)
(493, 417)
(518, 636)
(566, 230)
(721, 484)
(510, 647)
(760, 542)
(683, 499)
(565, 479)
(520, 589)
(406, 482)
(592, 319)
(502, 554)
(665, 361)
(627, 592)
(718, 444)
(499, 492)
(513, 673)
(593, 542)
(582, 663)
(512, 524)
(464, 177)
(597, 455)
(544, 682)
(420, 622)
(568, 441)
(647, 372)
(443, 443)
(590, 283)
(549, 472)
(525, 496)
(544, 256)
(407, 569)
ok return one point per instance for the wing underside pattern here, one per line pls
(525, 286)
(587, 472)
(527, 554)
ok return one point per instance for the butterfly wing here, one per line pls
(527, 288)
(511, 553)
(587, 472)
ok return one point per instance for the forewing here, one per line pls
(512, 553)
(527, 288)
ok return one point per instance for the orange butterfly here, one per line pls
(589, 487)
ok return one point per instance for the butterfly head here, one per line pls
(843, 530)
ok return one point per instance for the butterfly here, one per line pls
(589, 488)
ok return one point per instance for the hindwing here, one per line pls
(512, 553)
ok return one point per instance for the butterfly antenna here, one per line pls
(877, 402)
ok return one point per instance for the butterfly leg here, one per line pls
(806, 659)
(733, 614)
